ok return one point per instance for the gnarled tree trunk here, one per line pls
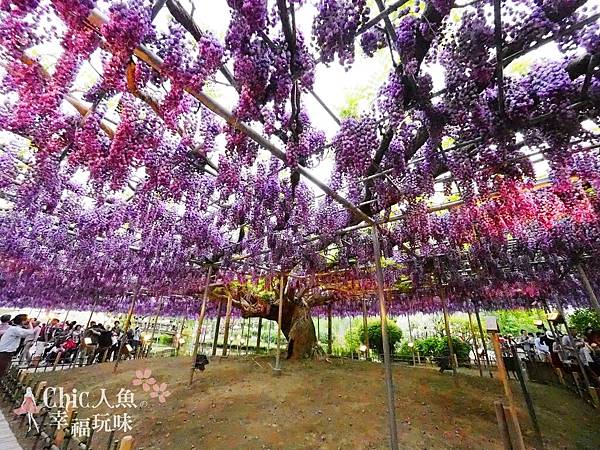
(300, 333)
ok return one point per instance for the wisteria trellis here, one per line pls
(168, 187)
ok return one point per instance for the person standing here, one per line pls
(4, 323)
(21, 328)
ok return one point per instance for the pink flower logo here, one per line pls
(160, 391)
(144, 378)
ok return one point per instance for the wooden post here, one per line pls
(528, 399)
(502, 425)
(258, 333)
(269, 337)
(475, 347)
(329, 331)
(239, 347)
(512, 419)
(126, 327)
(217, 326)
(126, 443)
(365, 330)
(412, 348)
(227, 322)
(201, 315)
(447, 328)
(588, 287)
(387, 360)
(277, 368)
(483, 344)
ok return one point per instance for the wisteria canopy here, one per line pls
(122, 173)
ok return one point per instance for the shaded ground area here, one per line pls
(236, 403)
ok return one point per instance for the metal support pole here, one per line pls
(217, 326)
(247, 336)
(269, 337)
(475, 347)
(483, 344)
(126, 328)
(517, 437)
(588, 287)
(258, 333)
(329, 331)
(201, 316)
(366, 330)
(180, 337)
(447, 328)
(387, 360)
(412, 348)
(87, 325)
(151, 340)
(528, 400)
(279, 316)
(227, 323)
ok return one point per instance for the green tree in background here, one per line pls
(355, 337)
(582, 319)
(513, 321)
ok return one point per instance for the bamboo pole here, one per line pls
(227, 323)
(277, 368)
(475, 347)
(365, 329)
(217, 326)
(588, 287)
(258, 333)
(180, 334)
(87, 325)
(387, 361)
(201, 316)
(513, 421)
(447, 328)
(483, 344)
(126, 328)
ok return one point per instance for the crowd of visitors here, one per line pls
(30, 341)
(561, 350)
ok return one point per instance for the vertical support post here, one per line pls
(329, 330)
(387, 360)
(528, 400)
(126, 327)
(258, 333)
(447, 328)
(483, 344)
(269, 337)
(279, 316)
(475, 346)
(247, 336)
(517, 437)
(412, 348)
(217, 326)
(201, 316)
(588, 287)
(151, 340)
(227, 323)
(178, 347)
(87, 325)
(365, 330)
(502, 425)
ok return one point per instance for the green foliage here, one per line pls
(583, 319)
(513, 321)
(355, 337)
(436, 346)
(459, 326)
(165, 339)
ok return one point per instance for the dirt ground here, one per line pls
(238, 403)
